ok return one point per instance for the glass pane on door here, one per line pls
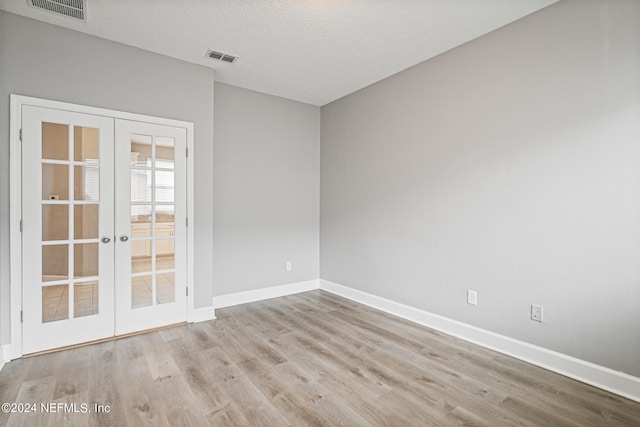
(141, 291)
(165, 152)
(55, 141)
(86, 221)
(87, 182)
(55, 262)
(85, 147)
(85, 261)
(55, 181)
(85, 299)
(165, 255)
(165, 288)
(55, 222)
(55, 303)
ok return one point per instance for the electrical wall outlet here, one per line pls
(289, 266)
(536, 313)
(472, 297)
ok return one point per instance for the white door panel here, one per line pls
(67, 184)
(150, 225)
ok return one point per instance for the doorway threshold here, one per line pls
(113, 338)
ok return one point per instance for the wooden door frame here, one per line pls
(14, 349)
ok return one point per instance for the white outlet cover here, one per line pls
(536, 313)
(289, 266)
(472, 297)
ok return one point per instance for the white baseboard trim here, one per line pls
(203, 314)
(616, 382)
(264, 293)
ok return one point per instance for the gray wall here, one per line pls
(41, 60)
(510, 165)
(266, 190)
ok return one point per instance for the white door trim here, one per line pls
(15, 199)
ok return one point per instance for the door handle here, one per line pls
(124, 238)
(106, 239)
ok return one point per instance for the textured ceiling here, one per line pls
(313, 51)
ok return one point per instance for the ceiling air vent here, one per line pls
(75, 9)
(221, 56)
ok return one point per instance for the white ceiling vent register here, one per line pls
(76, 9)
(221, 56)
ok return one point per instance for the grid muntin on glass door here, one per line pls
(152, 199)
(70, 198)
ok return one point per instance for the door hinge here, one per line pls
(21, 225)
(187, 152)
(186, 221)
(21, 316)
(21, 135)
(187, 291)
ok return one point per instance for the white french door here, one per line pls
(67, 183)
(150, 225)
(103, 253)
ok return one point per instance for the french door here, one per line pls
(150, 223)
(67, 183)
(103, 253)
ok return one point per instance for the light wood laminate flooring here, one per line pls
(307, 359)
